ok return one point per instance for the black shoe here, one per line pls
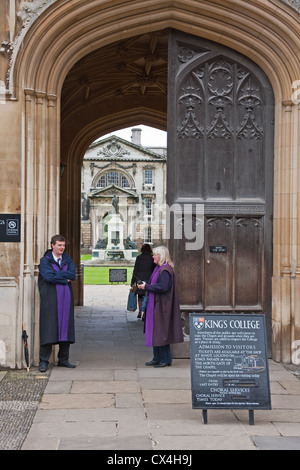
(66, 364)
(151, 363)
(162, 364)
(43, 367)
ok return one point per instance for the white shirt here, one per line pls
(56, 259)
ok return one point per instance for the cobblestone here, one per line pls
(20, 395)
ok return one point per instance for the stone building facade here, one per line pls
(71, 72)
(137, 176)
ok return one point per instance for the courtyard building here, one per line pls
(136, 175)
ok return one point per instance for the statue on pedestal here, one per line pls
(115, 204)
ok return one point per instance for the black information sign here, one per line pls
(10, 227)
(218, 249)
(229, 365)
(118, 275)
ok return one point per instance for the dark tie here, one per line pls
(59, 261)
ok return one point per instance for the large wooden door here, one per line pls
(220, 162)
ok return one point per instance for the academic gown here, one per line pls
(163, 317)
(56, 299)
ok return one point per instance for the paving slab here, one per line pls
(109, 386)
(277, 443)
(77, 400)
(129, 400)
(288, 429)
(203, 442)
(113, 444)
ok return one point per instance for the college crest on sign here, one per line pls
(198, 322)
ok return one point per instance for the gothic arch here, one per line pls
(263, 31)
(88, 134)
(64, 33)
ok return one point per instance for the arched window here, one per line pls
(113, 177)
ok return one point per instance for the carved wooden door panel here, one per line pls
(220, 162)
(233, 264)
(218, 268)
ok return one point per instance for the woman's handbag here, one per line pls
(132, 301)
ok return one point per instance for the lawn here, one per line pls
(100, 274)
(85, 257)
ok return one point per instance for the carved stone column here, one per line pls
(41, 196)
(284, 285)
(296, 306)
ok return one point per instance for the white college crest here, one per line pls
(198, 323)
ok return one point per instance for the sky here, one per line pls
(150, 137)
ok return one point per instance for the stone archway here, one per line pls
(267, 34)
(129, 87)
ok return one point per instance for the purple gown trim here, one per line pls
(63, 306)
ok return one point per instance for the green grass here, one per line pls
(99, 275)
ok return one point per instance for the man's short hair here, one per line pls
(57, 238)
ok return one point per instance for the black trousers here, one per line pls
(63, 353)
(162, 354)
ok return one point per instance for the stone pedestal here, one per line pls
(115, 235)
(107, 255)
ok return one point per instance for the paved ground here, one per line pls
(112, 401)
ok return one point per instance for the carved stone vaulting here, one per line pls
(115, 80)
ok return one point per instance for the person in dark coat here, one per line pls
(163, 318)
(142, 270)
(56, 271)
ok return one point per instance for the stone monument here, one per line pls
(112, 248)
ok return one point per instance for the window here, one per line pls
(148, 210)
(113, 177)
(148, 235)
(124, 182)
(101, 182)
(148, 176)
